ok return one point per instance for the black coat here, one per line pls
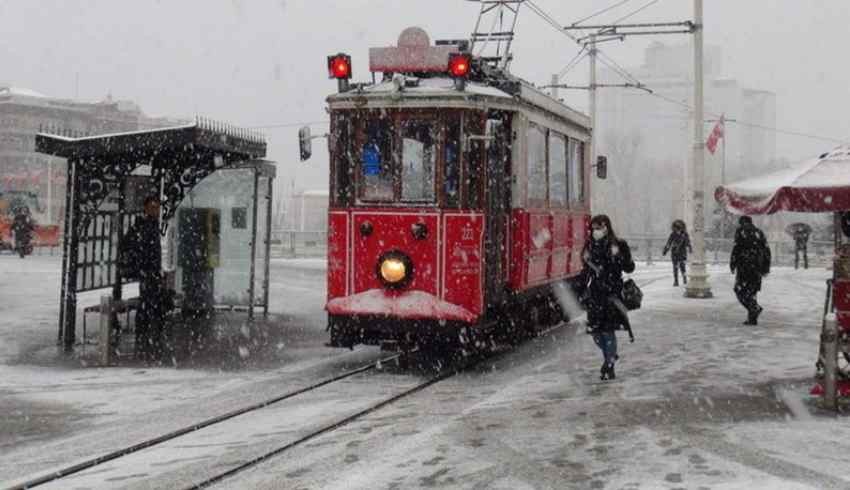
(142, 249)
(600, 283)
(22, 226)
(750, 259)
(679, 244)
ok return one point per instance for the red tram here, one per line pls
(459, 197)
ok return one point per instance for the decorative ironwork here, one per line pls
(179, 158)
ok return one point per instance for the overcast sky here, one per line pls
(262, 62)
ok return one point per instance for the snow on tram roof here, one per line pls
(445, 87)
(430, 86)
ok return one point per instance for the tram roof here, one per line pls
(443, 88)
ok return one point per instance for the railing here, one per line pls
(289, 244)
(718, 250)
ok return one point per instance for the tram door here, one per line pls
(497, 198)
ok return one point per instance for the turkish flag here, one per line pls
(716, 133)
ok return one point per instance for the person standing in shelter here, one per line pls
(142, 252)
(750, 262)
(600, 285)
(679, 244)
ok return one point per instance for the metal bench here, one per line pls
(123, 306)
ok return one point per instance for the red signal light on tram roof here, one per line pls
(339, 66)
(459, 65)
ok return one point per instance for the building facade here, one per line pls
(40, 179)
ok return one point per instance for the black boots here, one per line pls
(607, 372)
(753, 316)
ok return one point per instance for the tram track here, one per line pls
(444, 374)
(155, 441)
(441, 376)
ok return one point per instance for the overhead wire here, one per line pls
(629, 77)
(632, 14)
(574, 62)
(288, 125)
(600, 12)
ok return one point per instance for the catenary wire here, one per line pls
(626, 75)
(575, 61)
(600, 12)
(635, 12)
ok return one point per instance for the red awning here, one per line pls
(816, 186)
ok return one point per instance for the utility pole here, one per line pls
(698, 286)
(593, 115)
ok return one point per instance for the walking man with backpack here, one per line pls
(750, 262)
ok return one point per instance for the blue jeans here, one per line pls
(607, 342)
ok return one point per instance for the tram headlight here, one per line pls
(395, 269)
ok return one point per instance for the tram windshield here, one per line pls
(404, 157)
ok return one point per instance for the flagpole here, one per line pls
(722, 210)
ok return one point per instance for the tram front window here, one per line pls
(418, 161)
(376, 162)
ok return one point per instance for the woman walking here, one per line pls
(679, 244)
(605, 259)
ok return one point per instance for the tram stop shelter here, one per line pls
(216, 195)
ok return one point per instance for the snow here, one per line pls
(408, 304)
(437, 86)
(831, 171)
(25, 92)
(701, 401)
(123, 133)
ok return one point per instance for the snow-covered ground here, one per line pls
(700, 402)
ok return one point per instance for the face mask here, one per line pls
(599, 234)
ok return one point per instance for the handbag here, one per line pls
(632, 295)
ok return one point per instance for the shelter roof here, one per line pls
(200, 137)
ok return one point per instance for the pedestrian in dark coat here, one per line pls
(143, 256)
(23, 226)
(679, 244)
(750, 261)
(801, 242)
(600, 283)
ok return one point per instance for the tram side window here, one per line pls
(451, 174)
(418, 158)
(536, 167)
(576, 161)
(376, 161)
(343, 168)
(557, 170)
(474, 176)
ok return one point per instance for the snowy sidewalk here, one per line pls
(701, 402)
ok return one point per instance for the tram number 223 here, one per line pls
(466, 233)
